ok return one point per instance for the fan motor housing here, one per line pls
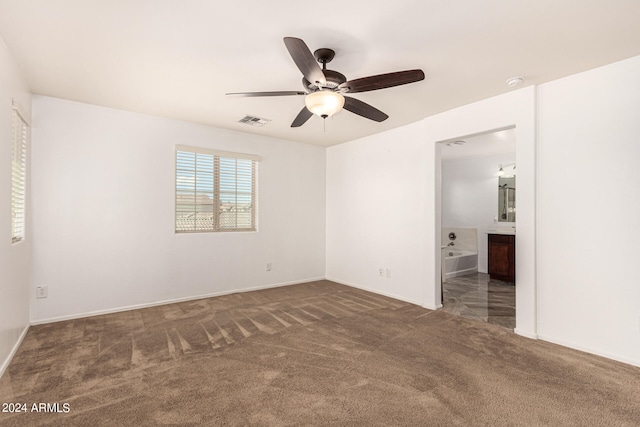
(334, 79)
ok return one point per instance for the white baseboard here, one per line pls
(5, 363)
(375, 291)
(586, 349)
(164, 302)
(525, 334)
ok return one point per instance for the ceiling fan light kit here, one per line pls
(324, 103)
(324, 88)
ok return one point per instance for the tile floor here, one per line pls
(476, 296)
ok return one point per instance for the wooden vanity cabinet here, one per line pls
(502, 257)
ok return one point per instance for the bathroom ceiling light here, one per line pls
(501, 171)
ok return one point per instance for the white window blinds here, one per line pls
(215, 190)
(20, 131)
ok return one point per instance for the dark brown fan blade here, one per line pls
(305, 60)
(301, 118)
(382, 81)
(277, 93)
(363, 109)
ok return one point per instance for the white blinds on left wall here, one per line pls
(20, 131)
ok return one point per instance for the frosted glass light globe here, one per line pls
(324, 103)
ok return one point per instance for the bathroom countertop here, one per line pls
(508, 232)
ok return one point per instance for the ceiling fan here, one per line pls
(324, 89)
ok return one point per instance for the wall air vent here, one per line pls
(254, 121)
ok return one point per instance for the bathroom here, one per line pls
(479, 211)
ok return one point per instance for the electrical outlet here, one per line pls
(387, 272)
(268, 266)
(381, 272)
(42, 292)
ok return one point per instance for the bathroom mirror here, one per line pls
(507, 199)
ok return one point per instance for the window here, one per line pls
(18, 175)
(215, 190)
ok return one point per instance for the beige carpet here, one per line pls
(310, 354)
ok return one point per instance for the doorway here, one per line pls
(477, 214)
(515, 109)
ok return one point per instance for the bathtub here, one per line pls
(459, 262)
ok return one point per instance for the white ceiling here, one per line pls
(177, 59)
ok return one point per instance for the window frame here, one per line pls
(212, 166)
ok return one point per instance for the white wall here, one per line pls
(376, 212)
(470, 196)
(578, 207)
(14, 258)
(589, 211)
(383, 203)
(103, 213)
